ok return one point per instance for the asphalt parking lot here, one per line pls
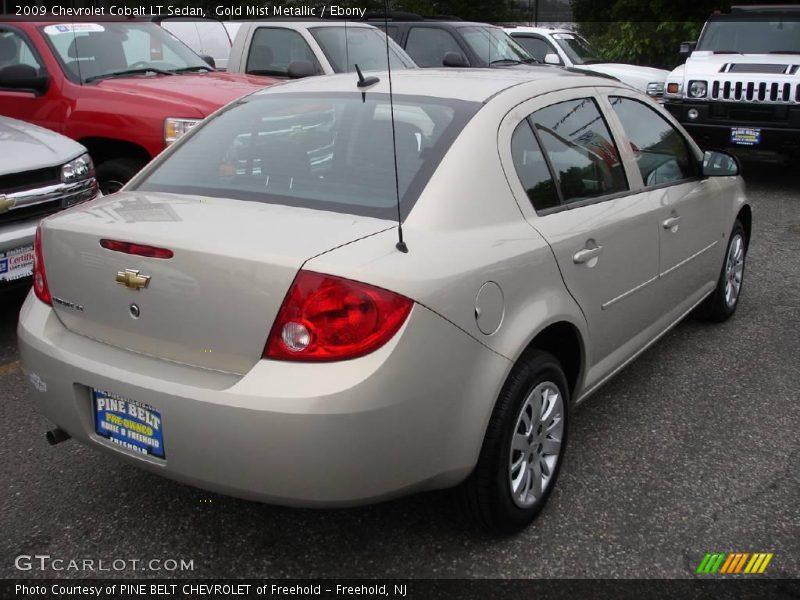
(692, 449)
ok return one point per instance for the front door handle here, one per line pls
(587, 254)
(671, 222)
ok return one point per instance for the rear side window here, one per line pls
(581, 150)
(661, 151)
(532, 168)
(273, 48)
(428, 45)
(324, 151)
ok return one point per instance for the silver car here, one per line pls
(244, 316)
(41, 172)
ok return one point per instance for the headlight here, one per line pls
(175, 128)
(673, 89)
(655, 88)
(698, 89)
(78, 169)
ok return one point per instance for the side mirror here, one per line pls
(454, 59)
(24, 77)
(298, 69)
(209, 60)
(719, 164)
(551, 58)
(686, 48)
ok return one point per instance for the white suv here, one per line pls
(740, 85)
(567, 48)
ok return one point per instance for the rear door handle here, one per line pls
(587, 254)
(671, 222)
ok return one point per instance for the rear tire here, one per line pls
(113, 174)
(722, 303)
(523, 448)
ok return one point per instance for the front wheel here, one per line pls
(523, 448)
(722, 303)
(113, 174)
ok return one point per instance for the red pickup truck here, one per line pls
(123, 89)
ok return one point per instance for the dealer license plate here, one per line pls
(16, 263)
(132, 425)
(745, 136)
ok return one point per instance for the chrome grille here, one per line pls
(781, 92)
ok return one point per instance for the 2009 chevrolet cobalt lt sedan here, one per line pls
(243, 318)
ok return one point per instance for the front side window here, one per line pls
(346, 47)
(90, 51)
(273, 48)
(15, 52)
(661, 151)
(581, 150)
(428, 45)
(322, 151)
(494, 46)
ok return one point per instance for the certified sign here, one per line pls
(16, 263)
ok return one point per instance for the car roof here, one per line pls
(290, 23)
(541, 30)
(475, 85)
(445, 23)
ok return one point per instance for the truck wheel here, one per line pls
(523, 448)
(113, 174)
(722, 303)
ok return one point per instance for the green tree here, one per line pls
(640, 31)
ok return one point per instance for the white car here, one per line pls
(567, 48)
(297, 49)
(207, 37)
(41, 173)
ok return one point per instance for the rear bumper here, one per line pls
(779, 124)
(408, 417)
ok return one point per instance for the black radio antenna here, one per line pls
(401, 245)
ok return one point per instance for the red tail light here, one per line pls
(39, 277)
(327, 318)
(137, 249)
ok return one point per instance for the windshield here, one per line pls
(578, 49)
(362, 46)
(751, 37)
(323, 151)
(90, 51)
(494, 46)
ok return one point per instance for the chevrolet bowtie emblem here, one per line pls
(6, 203)
(130, 278)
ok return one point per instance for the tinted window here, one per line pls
(536, 47)
(661, 152)
(580, 147)
(14, 51)
(346, 47)
(532, 168)
(323, 151)
(493, 45)
(273, 48)
(427, 45)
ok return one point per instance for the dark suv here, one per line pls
(452, 42)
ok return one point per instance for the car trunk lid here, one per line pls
(213, 302)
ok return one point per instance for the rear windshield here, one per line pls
(329, 152)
